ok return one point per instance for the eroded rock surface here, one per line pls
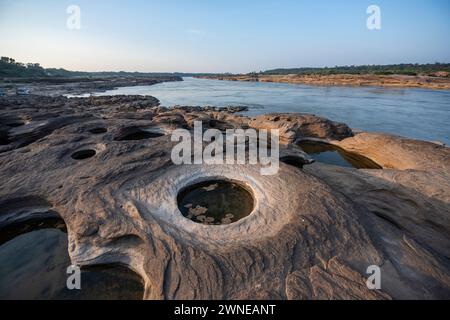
(312, 234)
(296, 126)
(398, 152)
(56, 86)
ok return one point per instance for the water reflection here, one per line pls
(330, 154)
(410, 112)
(34, 261)
(215, 202)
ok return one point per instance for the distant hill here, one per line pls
(435, 69)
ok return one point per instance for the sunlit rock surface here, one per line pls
(312, 234)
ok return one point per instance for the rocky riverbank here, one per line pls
(103, 165)
(392, 81)
(56, 86)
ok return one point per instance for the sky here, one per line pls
(222, 35)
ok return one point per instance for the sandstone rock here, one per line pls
(312, 234)
(398, 152)
(295, 126)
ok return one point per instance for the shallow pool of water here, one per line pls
(215, 202)
(329, 154)
(34, 261)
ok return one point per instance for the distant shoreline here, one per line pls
(353, 80)
(55, 86)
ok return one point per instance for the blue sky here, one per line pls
(223, 35)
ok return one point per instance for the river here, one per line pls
(416, 113)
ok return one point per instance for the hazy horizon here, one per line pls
(223, 36)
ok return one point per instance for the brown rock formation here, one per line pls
(295, 126)
(55, 86)
(312, 234)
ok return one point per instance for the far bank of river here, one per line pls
(353, 80)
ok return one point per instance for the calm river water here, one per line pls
(415, 113)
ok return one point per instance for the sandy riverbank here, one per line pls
(395, 81)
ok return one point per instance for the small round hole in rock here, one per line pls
(294, 161)
(98, 130)
(138, 135)
(215, 202)
(83, 154)
(15, 124)
(4, 139)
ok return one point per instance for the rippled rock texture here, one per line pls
(313, 231)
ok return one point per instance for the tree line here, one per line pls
(434, 69)
(11, 68)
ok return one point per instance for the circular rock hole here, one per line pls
(4, 139)
(98, 130)
(215, 202)
(83, 154)
(138, 134)
(297, 162)
(15, 124)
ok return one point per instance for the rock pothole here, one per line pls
(98, 130)
(4, 139)
(294, 161)
(330, 154)
(215, 202)
(35, 252)
(34, 258)
(130, 134)
(16, 124)
(83, 154)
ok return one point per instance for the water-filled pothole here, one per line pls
(98, 130)
(34, 261)
(215, 202)
(4, 139)
(295, 161)
(83, 154)
(107, 282)
(137, 134)
(15, 124)
(327, 153)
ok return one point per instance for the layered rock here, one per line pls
(55, 86)
(399, 153)
(312, 235)
(297, 126)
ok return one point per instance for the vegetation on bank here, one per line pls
(435, 69)
(9, 68)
